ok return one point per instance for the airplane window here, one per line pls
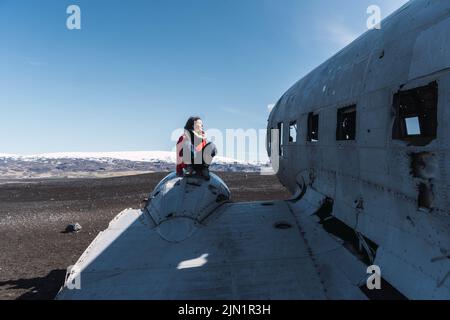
(269, 142)
(416, 115)
(293, 132)
(280, 137)
(313, 127)
(346, 123)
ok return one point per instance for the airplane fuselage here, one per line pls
(369, 130)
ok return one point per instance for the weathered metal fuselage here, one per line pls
(388, 182)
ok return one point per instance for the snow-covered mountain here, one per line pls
(95, 164)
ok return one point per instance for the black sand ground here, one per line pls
(35, 251)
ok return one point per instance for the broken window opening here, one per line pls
(293, 132)
(313, 127)
(280, 138)
(346, 123)
(416, 115)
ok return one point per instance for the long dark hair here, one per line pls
(190, 123)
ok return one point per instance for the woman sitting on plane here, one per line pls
(194, 153)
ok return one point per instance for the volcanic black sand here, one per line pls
(34, 249)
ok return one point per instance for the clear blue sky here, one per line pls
(137, 69)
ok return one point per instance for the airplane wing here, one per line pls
(256, 250)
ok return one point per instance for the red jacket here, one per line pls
(180, 164)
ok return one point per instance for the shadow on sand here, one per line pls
(40, 288)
